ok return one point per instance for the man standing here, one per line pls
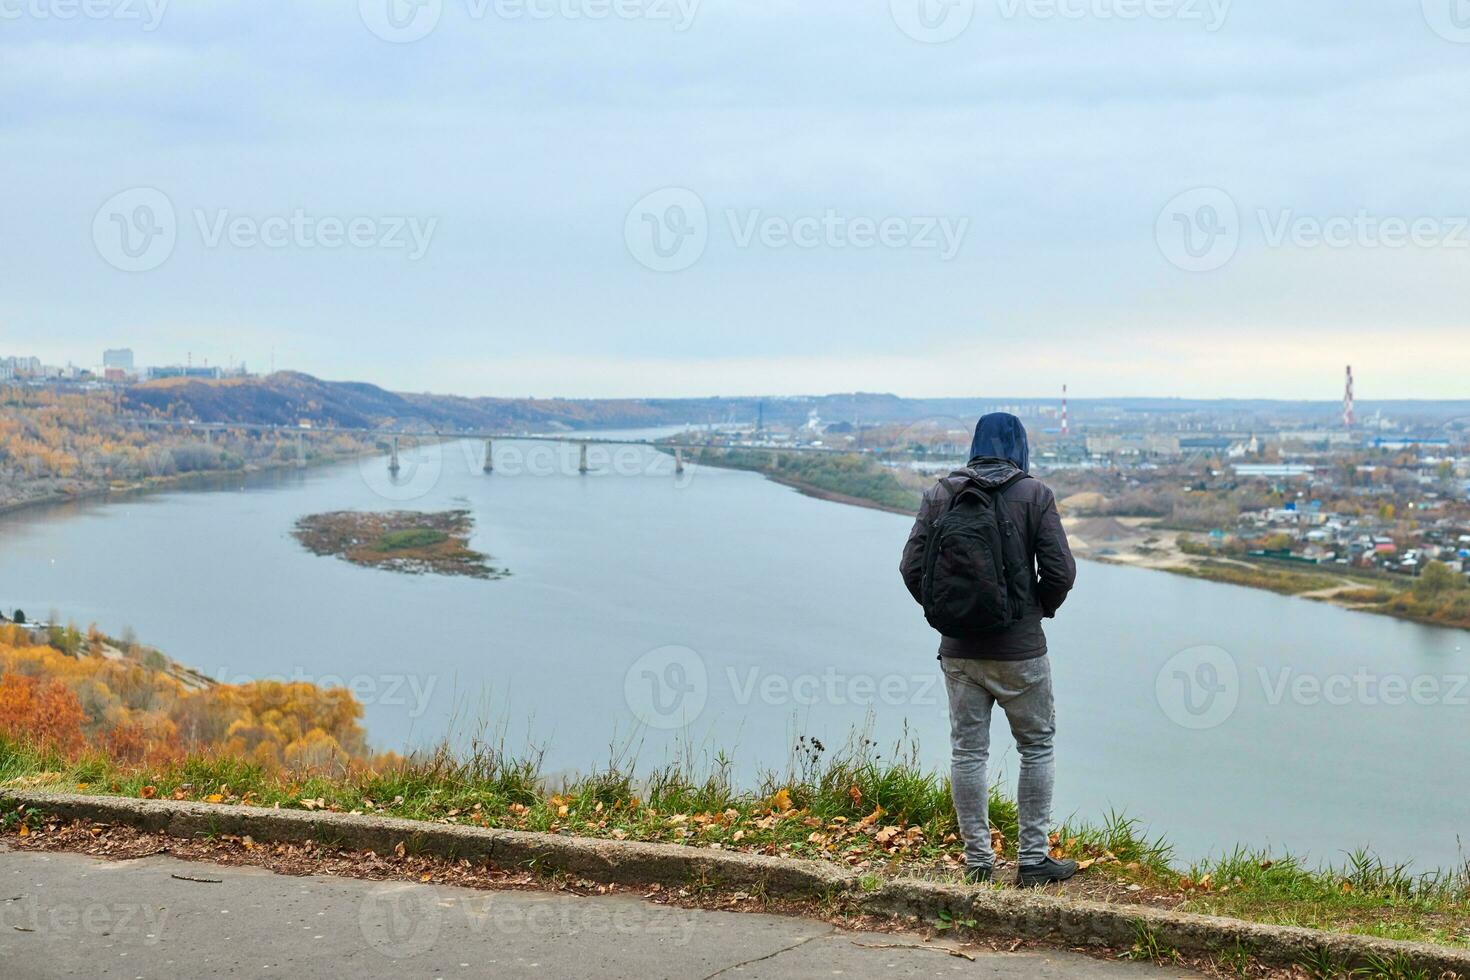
(988, 560)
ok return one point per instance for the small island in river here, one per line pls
(406, 541)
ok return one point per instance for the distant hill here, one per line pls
(288, 398)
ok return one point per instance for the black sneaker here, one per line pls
(976, 875)
(1045, 872)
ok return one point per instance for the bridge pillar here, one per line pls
(393, 466)
(678, 461)
(582, 459)
(489, 457)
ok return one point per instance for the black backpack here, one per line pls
(968, 584)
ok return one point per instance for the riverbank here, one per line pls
(194, 480)
(1134, 542)
(878, 820)
(1146, 545)
(873, 812)
(851, 480)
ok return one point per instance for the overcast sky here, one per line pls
(673, 197)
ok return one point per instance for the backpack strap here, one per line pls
(999, 488)
(998, 495)
(995, 493)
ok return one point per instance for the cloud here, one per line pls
(1057, 138)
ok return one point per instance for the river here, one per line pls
(663, 615)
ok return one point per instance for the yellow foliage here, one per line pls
(134, 712)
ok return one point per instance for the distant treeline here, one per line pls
(859, 477)
(287, 398)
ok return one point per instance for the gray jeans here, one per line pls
(1023, 690)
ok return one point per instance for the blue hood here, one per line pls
(1001, 435)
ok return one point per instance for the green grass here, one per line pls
(878, 815)
(413, 537)
(1123, 837)
(1362, 895)
(1148, 948)
(1284, 580)
(1369, 596)
(851, 475)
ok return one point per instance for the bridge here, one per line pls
(583, 441)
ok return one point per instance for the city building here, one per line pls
(1147, 444)
(119, 357)
(1273, 469)
(23, 367)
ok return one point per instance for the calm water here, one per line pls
(639, 600)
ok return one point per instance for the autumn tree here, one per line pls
(1437, 581)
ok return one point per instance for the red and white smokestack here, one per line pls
(1349, 416)
(1066, 426)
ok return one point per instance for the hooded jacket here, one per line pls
(999, 452)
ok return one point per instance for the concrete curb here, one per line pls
(996, 913)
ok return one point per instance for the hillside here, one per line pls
(60, 444)
(74, 693)
(288, 398)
